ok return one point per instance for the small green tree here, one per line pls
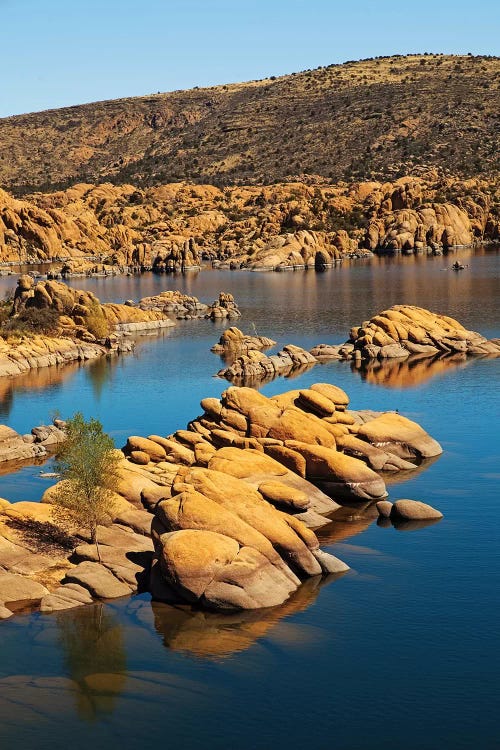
(88, 466)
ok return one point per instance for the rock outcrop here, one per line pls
(105, 229)
(403, 330)
(233, 522)
(420, 342)
(37, 444)
(234, 342)
(184, 307)
(221, 514)
(83, 328)
(254, 366)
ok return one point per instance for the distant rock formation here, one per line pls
(105, 229)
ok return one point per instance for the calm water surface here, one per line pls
(403, 651)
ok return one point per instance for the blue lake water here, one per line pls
(403, 651)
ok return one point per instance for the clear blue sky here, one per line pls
(59, 52)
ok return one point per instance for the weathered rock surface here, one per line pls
(256, 367)
(242, 482)
(235, 499)
(233, 341)
(420, 342)
(17, 591)
(399, 435)
(403, 330)
(65, 597)
(413, 510)
(101, 583)
(41, 441)
(108, 229)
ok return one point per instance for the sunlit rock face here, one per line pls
(405, 330)
(245, 487)
(222, 515)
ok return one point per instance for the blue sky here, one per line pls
(55, 53)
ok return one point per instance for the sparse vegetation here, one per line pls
(29, 321)
(87, 464)
(347, 121)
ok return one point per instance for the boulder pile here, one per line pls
(245, 485)
(83, 328)
(234, 342)
(184, 307)
(253, 366)
(221, 514)
(401, 333)
(37, 444)
(403, 330)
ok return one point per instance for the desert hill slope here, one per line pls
(372, 119)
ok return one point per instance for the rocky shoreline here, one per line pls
(288, 226)
(404, 332)
(227, 513)
(83, 328)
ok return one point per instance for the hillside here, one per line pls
(373, 119)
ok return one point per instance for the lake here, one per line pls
(402, 651)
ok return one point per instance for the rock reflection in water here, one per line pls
(410, 372)
(93, 649)
(215, 635)
(386, 523)
(257, 382)
(41, 379)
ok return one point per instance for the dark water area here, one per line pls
(402, 651)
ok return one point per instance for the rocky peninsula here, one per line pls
(49, 323)
(221, 514)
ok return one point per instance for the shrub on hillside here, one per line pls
(31, 320)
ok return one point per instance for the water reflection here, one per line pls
(100, 373)
(215, 635)
(386, 523)
(93, 650)
(410, 372)
(42, 379)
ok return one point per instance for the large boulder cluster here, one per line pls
(83, 328)
(403, 330)
(176, 227)
(245, 485)
(221, 514)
